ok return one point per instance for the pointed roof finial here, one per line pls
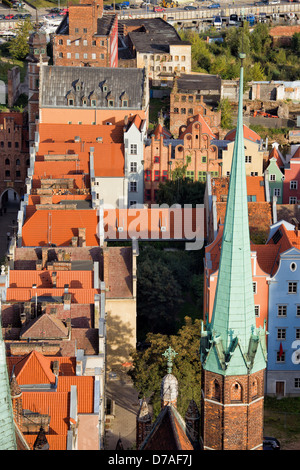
(169, 354)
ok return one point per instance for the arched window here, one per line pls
(216, 391)
(236, 392)
(7, 162)
(254, 389)
(18, 162)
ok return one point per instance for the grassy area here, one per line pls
(7, 63)
(282, 420)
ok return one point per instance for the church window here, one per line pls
(236, 392)
(216, 391)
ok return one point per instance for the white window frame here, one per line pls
(133, 167)
(292, 200)
(133, 149)
(272, 177)
(294, 184)
(277, 192)
(133, 186)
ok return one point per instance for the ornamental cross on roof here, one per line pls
(169, 354)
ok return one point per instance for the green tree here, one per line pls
(180, 191)
(149, 366)
(159, 294)
(296, 43)
(226, 113)
(18, 46)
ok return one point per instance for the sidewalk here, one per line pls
(123, 425)
(8, 219)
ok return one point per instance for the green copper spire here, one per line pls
(232, 325)
(7, 428)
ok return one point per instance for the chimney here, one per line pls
(54, 277)
(55, 368)
(44, 257)
(81, 236)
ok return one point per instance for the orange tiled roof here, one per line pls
(109, 160)
(59, 226)
(255, 187)
(160, 130)
(88, 133)
(34, 369)
(205, 127)
(275, 154)
(80, 296)
(260, 215)
(43, 279)
(248, 134)
(280, 31)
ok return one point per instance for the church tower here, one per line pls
(232, 350)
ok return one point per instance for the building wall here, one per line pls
(232, 414)
(252, 150)
(134, 157)
(111, 191)
(185, 105)
(275, 178)
(82, 46)
(121, 330)
(284, 327)
(161, 159)
(14, 154)
(87, 116)
(292, 174)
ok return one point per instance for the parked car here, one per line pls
(190, 7)
(157, 9)
(214, 5)
(273, 2)
(218, 22)
(233, 20)
(2, 17)
(271, 443)
(18, 16)
(9, 17)
(134, 6)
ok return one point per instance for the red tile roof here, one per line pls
(280, 31)
(46, 227)
(88, 133)
(36, 369)
(80, 296)
(248, 134)
(109, 160)
(275, 154)
(43, 279)
(205, 127)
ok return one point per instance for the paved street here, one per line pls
(7, 220)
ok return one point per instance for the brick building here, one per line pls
(194, 94)
(162, 155)
(14, 153)
(87, 37)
